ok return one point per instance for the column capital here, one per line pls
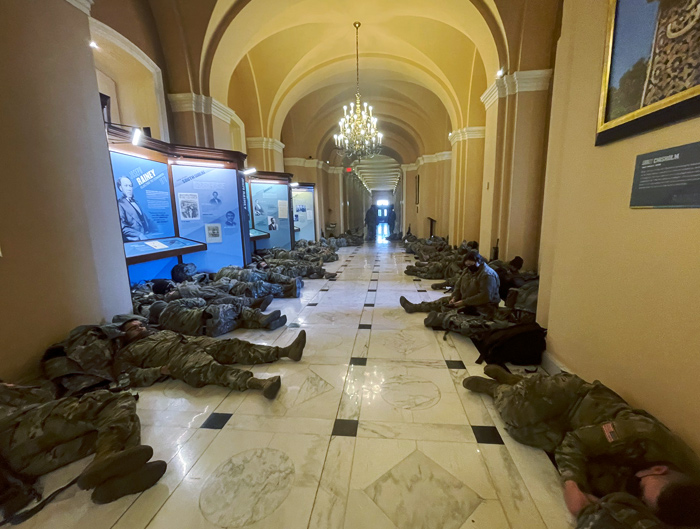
(265, 143)
(84, 5)
(494, 92)
(190, 102)
(525, 81)
(467, 133)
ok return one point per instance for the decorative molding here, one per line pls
(467, 133)
(83, 5)
(532, 80)
(100, 30)
(494, 92)
(189, 102)
(511, 86)
(434, 158)
(409, 167)
(306, 162)
(221, 111)
(265, 143)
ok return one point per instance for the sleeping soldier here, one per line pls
(150, 356)
(39, 434)
(601, 444)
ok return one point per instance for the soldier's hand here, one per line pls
(165, 371)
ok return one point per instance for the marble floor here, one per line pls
(371, 429)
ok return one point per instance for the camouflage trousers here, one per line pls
(60, 432)
(208, 361)
(432, 271)
(260, 289)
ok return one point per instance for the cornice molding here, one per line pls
(265, 143)
(221, 111)
(189, 102)
(84, 5)
(532, 80)
(409, 167)
(467, 133)
(434, 158)
(511, 86)
(494, 92)
(306, 162)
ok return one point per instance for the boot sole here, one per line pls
(116, 465)
(270, 392)
(133, 483)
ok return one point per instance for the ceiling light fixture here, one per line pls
(93, 44)
(359, 137)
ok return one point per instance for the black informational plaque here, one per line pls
(668, 178)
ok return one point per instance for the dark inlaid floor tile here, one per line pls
(216, 421)
(372, 290)
(345, 427)
(416, 279)
(365, 326)
(487, 435)
(369, 304)
(293, 325)
(313, 304)
(324, 290)
(333, 279)
(422, 291)
(355, 361)
(455, 364)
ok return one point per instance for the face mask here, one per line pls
(473, 268)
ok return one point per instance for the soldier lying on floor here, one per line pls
(149, 356)
(196, 317)
(294, 267)
(251, 275)
(39, 434)
(475, 293)
(601, 444)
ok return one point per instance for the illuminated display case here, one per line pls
(271, 207)
(177, 201)
(304, 211)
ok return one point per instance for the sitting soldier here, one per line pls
(149, 356)
(40, 434)
(195, 317)
(476, 291)
(601, 444)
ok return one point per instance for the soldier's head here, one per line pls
(125, 186)
(472, 261)
(134, 330)
(162, 286)
(672, 494)
(516, 263)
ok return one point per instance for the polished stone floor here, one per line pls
(371, 429)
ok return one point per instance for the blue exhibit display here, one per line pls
(270, 205)
(207, 203)
(303, 211)
(140, 248)
(143, 198)
(158, 269)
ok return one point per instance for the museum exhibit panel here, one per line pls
(177, 201)
(304, 211)
(270, 204)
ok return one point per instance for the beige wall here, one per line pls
(619, 286)
(63, 258)
(222, 134)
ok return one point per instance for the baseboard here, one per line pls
(552, 365)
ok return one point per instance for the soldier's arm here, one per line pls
(141, 377)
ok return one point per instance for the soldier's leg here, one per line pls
(439, 305)
(235, 351)
(255, 319)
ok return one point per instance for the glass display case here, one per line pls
(304, 212)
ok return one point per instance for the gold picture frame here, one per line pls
(668, 109)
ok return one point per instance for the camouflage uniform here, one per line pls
(598, 439)
(39, 434)
(194, 317)
(618, 511)
(479, 291)
(231, 287)
(296, 268)
(251, 275)
(198, 361)
(442, 269)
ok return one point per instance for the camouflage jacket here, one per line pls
(478, 288)
(618, 511)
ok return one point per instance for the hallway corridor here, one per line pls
(372, 429)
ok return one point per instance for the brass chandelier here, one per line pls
(359, 137)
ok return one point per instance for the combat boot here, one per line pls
(279, 322)
(262, 303)
(114, 465)
(270, 386)
(267, 319)
(481, 385)
(501, 376)
(330, 275)
(407, 305)
(295, 349)
(138, 481)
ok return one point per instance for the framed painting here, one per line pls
(651, 75)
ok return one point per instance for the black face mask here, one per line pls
(473, 268)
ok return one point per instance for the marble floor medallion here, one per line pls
(410, 393)
(418, 493)
(247, 487)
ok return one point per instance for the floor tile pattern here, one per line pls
(372, 428)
